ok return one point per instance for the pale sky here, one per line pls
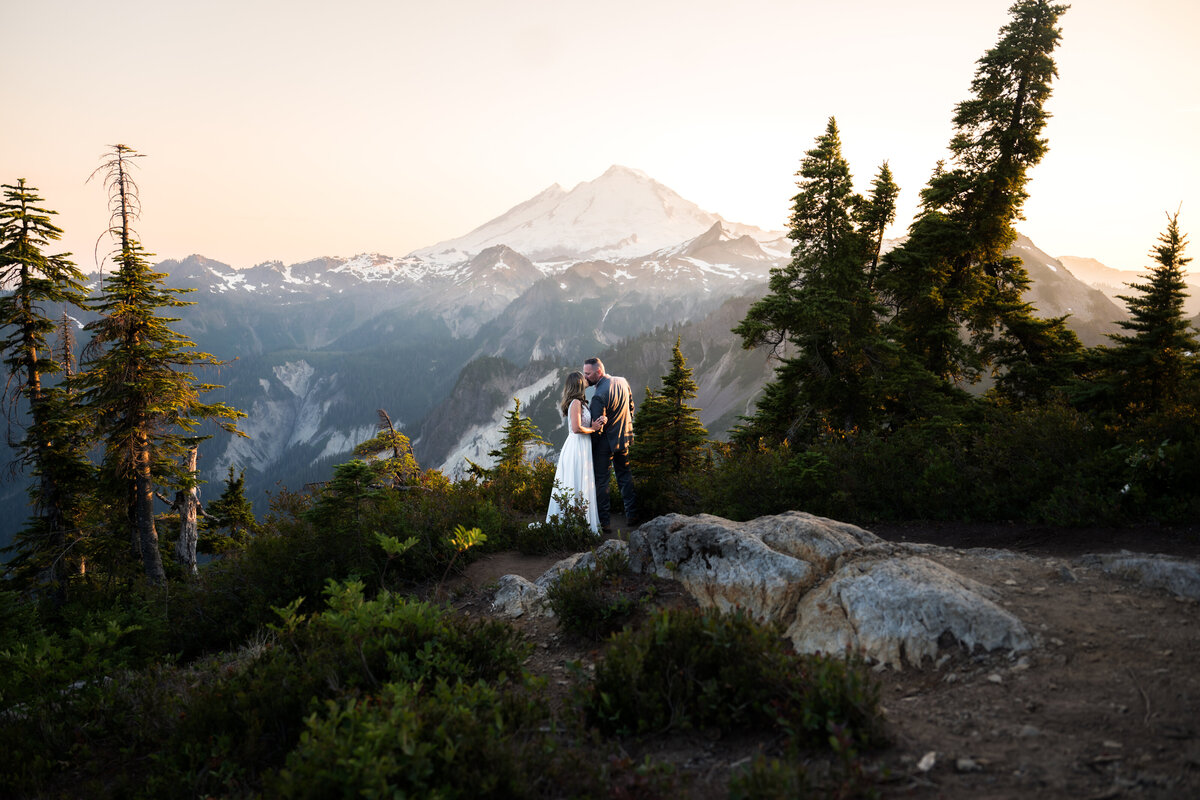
(298, 129)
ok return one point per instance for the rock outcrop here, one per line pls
(901, 609)
(831, 586)
(1175, 575)
(516, 596)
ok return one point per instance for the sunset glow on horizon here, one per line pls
(290, 131)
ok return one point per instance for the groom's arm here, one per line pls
(596, 407)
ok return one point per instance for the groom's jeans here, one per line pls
(602, 460)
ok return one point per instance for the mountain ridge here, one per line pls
(315, 347)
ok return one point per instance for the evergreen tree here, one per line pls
(139, 383)
(231, 513)
(400, 467)
(820, 316)
(952, 274)
(670, 438)
(54, 444)
(876, 214)
(1153, 365)
(518, 434)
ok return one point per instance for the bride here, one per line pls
(574, 474)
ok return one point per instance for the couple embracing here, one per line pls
(601, 432)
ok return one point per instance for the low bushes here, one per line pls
(449, 740)
(1051, 465)
(220, 727)
(565, 532)
(593, 602)
(706, 670)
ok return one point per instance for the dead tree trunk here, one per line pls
(187, 503)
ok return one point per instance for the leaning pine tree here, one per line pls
(53, 447)
(953, 274)
(138, 382)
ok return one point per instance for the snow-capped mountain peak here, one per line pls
(624, 213)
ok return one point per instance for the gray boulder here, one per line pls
(898, 610)
(829, 585)
(1176, 575)
(516, 596)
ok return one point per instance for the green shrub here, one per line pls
(91, 738)
(96, 633)
(334, 535)
(567, 532)
(593, 602)
(829, 702)
(451, 740)
(522, 488)
(751, 483)
(770, 779)
(354, 647)
(691, 669)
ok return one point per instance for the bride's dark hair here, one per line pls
(573, 389)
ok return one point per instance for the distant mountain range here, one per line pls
(1115, 282)
(445, 337)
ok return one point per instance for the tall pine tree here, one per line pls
(1153, 365)
(876, 214)
(820, 315)
(233, 513)
(139, 382)
(52, 447)
(952, 279)
(670, 438)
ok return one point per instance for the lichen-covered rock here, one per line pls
(720, 565)
(817, 540)
(516, 597)
(1177, 575)
(900, 610)
(586, 560)
(830, 585)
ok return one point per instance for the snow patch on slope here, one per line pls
(485, 436)
(340, 442)
(295, 375)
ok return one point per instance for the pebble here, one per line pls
(994, 678)
(927, 761)
(1029, 732)
(967, 765)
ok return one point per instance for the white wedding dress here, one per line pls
(574, 472)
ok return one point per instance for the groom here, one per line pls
(610, 446)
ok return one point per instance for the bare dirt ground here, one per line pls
(1107, 705)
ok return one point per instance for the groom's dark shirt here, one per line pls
(614, 399)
